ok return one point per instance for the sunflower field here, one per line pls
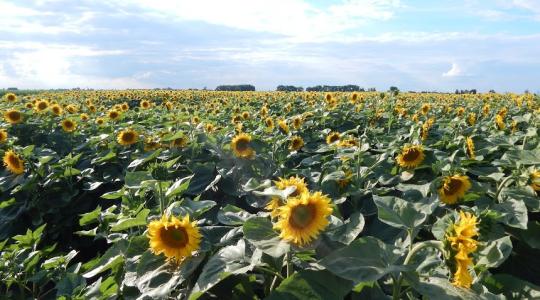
(159, 194)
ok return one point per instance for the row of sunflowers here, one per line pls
(158, 194)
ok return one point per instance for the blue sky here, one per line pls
(415, 45)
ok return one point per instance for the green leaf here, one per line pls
(522, 193)
(512, 287)
(70, 284)
(495, 253)
(178, 187)
(260, 233)
(236, 259)
(513, 213)
(349, 230)
(404, 214)
(90, 217)
(133, 180)
(309, 284)
(190, 207)
(523, 157)
(366, 259)
(530, 236)
(442, 289)
(138, 220)
(114, 194)
(7, 203)
(232, 215)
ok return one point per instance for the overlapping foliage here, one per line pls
(247, 195)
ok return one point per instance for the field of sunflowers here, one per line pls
(159, 194)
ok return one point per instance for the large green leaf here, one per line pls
(260, 233)
(309, 284)
(366, 259)
(512, 287)
(402, 213)
(495, 253)
(348, 230)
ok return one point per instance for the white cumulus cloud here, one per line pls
(454, 71)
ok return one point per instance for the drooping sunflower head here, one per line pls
(471, 119)
(499, 121)
(535, 180)
(296, 143)
(297, 122)
(425, 108)
(127, 137)
(411, 156)
(13, 116)
(332, 137)
(462, 240)
(241, 146)
(179, 142)
(68, 125)
(470, 148)
(245, 115)
(348, 142)
(283, 127)
(269, 123)
(3, 135)
(176, 238)
(453, 188)
(264, 111)
(113, 114)
(42, 105)
(302, 218)
(460, 110)
(84, 117)
(56, 109)
(13, 162)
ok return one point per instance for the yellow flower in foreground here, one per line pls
(303, 218)
(127, 137)
(332, 137)
(410, 156)
(42, 105)
(462, 241)
(68, 125)
(13, 162)
(282, 183)
(11, 97)
(241, 147)
(176, 238)
(3, 135)
(13, 116)
(296, 143)
(535, 180)
(453, 188)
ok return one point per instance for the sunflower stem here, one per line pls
(501, 186)
(288, 259)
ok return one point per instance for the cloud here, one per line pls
(454, 71)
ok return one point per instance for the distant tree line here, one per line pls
(289, 88)
(335, 88)
(473, 91)
(237, 87)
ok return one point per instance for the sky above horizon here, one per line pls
(413, 44)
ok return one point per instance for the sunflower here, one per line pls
(113, 114)
(283, 127)
(176, 238)
(145, 104)
(245, 115)
(470, 148)
(179, 142)
(72, 108)
(296, 143)
(425, 108)
(269, 123)
(454, 188)
(11, 97)
(100, 121)
(411, 156)
(56, 109)
(462, 241)
(297, 122)
(127, 137)
(150, 145)
(3, 135)
(42, 105)
(332, 137)
(29, 105)
(275, 202)
(13, 163)
(264, 111)
(535, 180)
(348, 143)
(471, 119)
(84, 117)
(302, 218)
(499, 121)
(195, 120)
(241, 147)
(13, 116)
(124, 106)
(68, 125)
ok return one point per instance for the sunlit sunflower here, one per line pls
(13, 162)
(462, 242)
(100, 121)
(11, 97)
(269, 123)
(150, 145)
(302, 218)
(471, 119)
(42, 105)
(283, 127)
(296, 143)
(282, 183)
(297, 122)
(264, 111)
(13, 116)
(84, 117)
(195, 120)
(332, 137)
(425, 108)
(29, 105)
(348, 143)
(145, 104)
(453, 188)
(68, 125)
(127, 137)
(241, 146)
(72, 108)
(176, 238)
(245, 115)
(124, 106)
(57, 109)
(470, 148)
(113, 114)
(179, 142)
(535, 180)
(499, 121)
(411, 156)
(3, 135)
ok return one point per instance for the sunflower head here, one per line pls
(535, 180)
(297, 122)
(127, 137)
(470, 148)
(302, 218)
(462, 240)
(179, 142)
(113, 114)
(13, 116)
(3, 135)
(297, 182)
(241, 146)
(176, 238)
(100, 121)
(471, 119)
(68, 125)
(145, 104)
(11, 97)
(454, 188)
(84, 117)
(296, 143)
(332, 137)
(124, 106)
(269, 123)
(245, 115)
(56, 109)
(499, 121)
(29, 105)
(411, 156)
(283, 127)
(13, 162)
